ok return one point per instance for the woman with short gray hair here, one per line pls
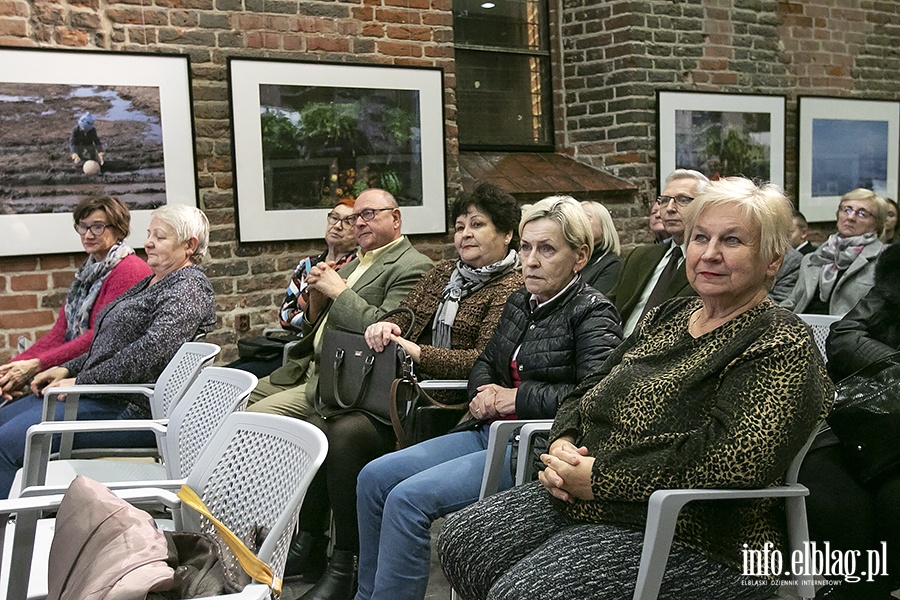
(136, 337)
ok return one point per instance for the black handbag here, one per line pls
(415, 415)
(353, 377)
(866, 418)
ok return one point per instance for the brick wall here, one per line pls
(611, 56)
(249, 280)
(617, 53)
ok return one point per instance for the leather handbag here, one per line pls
(866, 418)
(353, 377)
(415, 415)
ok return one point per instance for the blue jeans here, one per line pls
(398, 497)
(18, 416)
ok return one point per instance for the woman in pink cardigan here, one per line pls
(110, 269)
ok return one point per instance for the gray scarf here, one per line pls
(834, 256)
(86, 287)
(465, 280)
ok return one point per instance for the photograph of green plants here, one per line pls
(721, 135)
(321, 144)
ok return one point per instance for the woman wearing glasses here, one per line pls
(842, 270)
(110, 269)
(340, 241)
(136, 335)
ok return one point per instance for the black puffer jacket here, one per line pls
(871, 330)
(561, 343)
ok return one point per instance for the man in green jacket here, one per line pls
(367, 287)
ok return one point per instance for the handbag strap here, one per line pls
(252, 564)
(336, 378)
(402, 310)
(416, 397)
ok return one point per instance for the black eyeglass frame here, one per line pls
(96, 228)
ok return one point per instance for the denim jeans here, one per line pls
(18, 416)
(398, 497)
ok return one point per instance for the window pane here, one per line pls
(503, 99)
(508, 24)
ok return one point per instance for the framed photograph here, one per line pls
(845, 144)
(309, 134)
(721, 135)
(82, 123)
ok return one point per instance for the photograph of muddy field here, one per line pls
(37, 174)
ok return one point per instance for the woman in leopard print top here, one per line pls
(716, 391)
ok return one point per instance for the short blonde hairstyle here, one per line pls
(565, 212)
(765, 205)
(600, 214)
(881, 206)
(187, 222)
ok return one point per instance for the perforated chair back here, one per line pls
(215, 393)
(820, 325)
(181, 371)
(253, 475)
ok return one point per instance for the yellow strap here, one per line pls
(256, 568)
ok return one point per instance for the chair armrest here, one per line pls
(662, 515)
(39, 437)
(100, 389)
(444, 384)
(494, 463)
(169, 485)
(254, 591)
(524, 466)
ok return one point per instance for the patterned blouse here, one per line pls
(729, 409)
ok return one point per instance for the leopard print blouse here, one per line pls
(730, 408)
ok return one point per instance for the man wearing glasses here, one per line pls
(385, 270)
(654, 273)
(841, 271)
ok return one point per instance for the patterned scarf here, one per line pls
(834, 256)
(465, 280)
(86, 287)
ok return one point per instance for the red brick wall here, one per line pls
(617, 53)
(610, 57)
(249, 280)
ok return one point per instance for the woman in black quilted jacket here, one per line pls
(551, 334)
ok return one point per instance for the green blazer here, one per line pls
(636, 272)
(381, 289)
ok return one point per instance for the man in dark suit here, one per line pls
(370, 285)
(798, 235)
(654, 273)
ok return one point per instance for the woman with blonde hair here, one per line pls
(603, 268)
(720, 390)
(551, 334)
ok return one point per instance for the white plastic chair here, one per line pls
(820, 325)
(165, 393)
(252, 475)
(216, 393)
(664, 506)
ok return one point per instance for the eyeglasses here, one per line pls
(367, 214)
(860, 212)
(680, 200)
(334, 219)
(95, 228)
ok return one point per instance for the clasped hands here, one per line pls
(15, 375)
(568, 471)
(324, 284)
